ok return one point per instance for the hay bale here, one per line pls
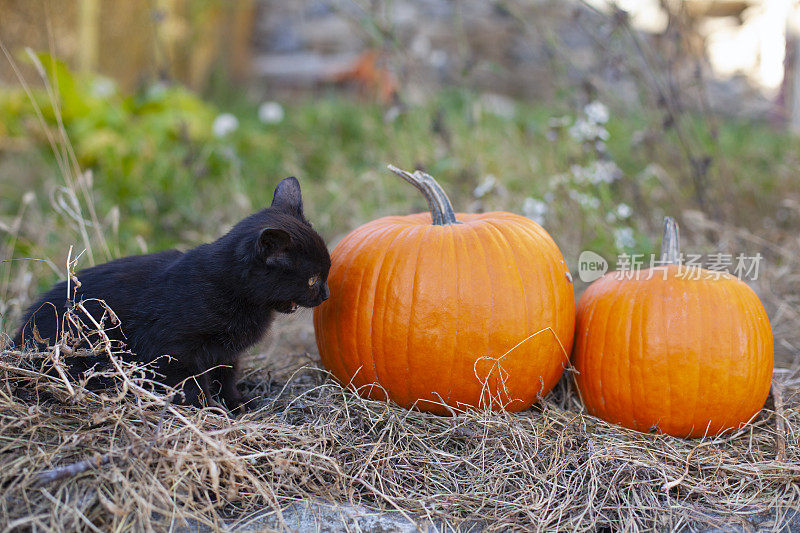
(144, 463)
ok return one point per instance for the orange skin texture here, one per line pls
(428, 312)
(687, 357)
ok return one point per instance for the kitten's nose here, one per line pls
(324, 293)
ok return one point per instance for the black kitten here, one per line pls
(202, 308)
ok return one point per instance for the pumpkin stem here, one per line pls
(670, 245)
(438, 203)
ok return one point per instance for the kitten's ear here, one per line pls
(287, 196)
(271, 241)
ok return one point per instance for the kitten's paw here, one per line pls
(235, 403)
(240, 409)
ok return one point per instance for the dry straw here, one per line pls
(128, 459)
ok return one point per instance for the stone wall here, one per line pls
(530, 50)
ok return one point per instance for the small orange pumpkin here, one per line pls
(684, 351)
(444, 311)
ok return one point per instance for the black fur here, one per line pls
(203, 307)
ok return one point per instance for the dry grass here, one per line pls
(81, 460)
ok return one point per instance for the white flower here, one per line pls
(156, 90)
(584, 200)
(586, 130)
(485, 187)
(270, 113)
(596, 112)
(534, 209)
(596, 172)
(623, 238)
(623, 211)
(581, 130)
(578, 174)
(603, 172)
(224, 124)
(102, 87)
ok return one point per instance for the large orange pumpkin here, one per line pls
(679, 350)
(443, 311)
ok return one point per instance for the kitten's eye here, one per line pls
(313, 280)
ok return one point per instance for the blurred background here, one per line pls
(128, 127)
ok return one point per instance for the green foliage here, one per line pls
(594, 177)
(141, 147)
